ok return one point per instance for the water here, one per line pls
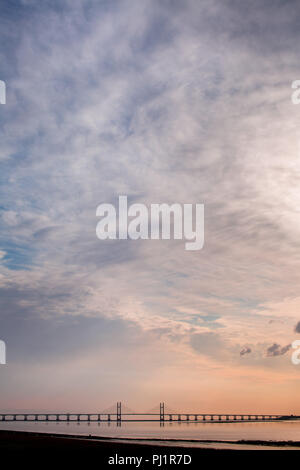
(187, 432)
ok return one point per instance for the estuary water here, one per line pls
(184, 433)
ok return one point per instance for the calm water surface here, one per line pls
(280, 431)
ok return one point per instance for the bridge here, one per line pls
(129, 416)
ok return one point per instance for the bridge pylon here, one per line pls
(119, 411)
(161, 411)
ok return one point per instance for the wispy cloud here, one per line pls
(297, 327)
(164, 103)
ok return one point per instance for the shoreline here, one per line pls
(31, 439)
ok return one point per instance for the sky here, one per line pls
(165, 102)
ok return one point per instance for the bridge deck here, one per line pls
(143, 417)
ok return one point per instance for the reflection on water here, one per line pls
(279, 431)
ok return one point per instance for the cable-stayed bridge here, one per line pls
(159, 414)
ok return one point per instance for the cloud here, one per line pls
(245, 350)
(108, 98)
(277, 350)
(208, 344)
